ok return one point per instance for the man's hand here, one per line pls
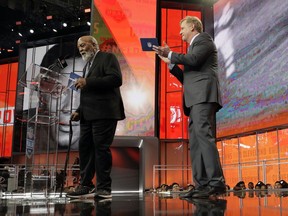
(75, 116)
(80, 83)
(166, 60)
(162, 51)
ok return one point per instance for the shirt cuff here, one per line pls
(170, 66)
(170, 55)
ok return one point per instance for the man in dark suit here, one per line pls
(202, 99)
(100, 108)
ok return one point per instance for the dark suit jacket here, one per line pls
(101, 98)
(199, 77)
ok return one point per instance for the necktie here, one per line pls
(88, 66)
(87, 69)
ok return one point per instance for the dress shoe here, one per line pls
(190, 192)
(187, 194)
(208, 191)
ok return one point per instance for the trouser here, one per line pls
(95, 156)
(206, 167)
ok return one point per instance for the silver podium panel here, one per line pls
(133, 160)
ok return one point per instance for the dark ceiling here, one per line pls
(33, 15)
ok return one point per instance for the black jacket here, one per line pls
(101, 98)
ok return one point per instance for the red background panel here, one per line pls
(8, 83)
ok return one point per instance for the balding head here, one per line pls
(88, 39)
(87, 46)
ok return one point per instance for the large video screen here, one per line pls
(48, 104)
(8, 74)
(118, 26)
(252, 42)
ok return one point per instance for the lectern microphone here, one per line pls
(61, 62)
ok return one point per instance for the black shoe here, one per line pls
(190, 192)
(103, 194)
(82, 192)
(208, 191)
(187, 194)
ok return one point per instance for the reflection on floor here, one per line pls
(242, 203)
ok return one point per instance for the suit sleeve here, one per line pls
(111, 76)
(200, 51)
(178, 73)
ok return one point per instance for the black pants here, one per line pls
(95, 156)
(206, 167)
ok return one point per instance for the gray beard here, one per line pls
(87, 56)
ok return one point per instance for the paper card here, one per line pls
(71, 82)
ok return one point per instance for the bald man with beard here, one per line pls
(101, 107)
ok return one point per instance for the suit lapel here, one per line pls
(192, 45)
(93, 64)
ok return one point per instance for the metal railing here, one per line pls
(240, 167)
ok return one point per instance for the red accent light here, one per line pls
(18, 23)
(49, 17)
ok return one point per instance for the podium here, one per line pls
(43, 88)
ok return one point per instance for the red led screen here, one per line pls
(118, 27)
(8, 83)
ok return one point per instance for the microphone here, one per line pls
(62, 62)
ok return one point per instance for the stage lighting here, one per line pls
(31, 31)
(87, 10)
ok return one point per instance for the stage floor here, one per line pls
(243, 203)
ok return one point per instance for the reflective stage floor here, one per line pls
(243, 203)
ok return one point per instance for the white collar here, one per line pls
(194, 38)
(91, 61)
